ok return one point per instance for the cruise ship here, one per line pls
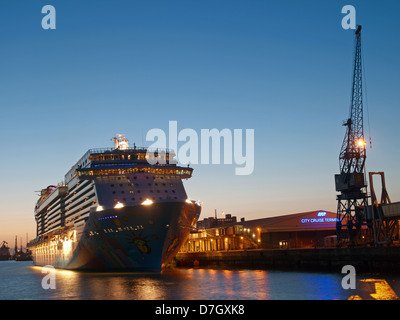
(115, 210)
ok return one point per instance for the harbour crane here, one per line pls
(351, 182)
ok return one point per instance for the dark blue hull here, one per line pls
(141, 238)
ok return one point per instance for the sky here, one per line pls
(281, 68)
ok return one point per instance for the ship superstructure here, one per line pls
(115, 210)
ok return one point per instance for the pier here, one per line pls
(364, 259)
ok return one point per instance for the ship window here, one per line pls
(112, 185)
(120, 184)
(122, 191)
(133, 199)
(166, 191)
(113, 192)
(158, 191)
(138, 191)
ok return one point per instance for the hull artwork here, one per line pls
(138, 238)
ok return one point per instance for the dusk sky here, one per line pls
(282, 68)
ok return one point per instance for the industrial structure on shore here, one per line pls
(353, 211)
(314, 229)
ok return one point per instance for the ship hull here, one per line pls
(138, 238)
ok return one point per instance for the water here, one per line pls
(22, 280)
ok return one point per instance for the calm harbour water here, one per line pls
(22, 280)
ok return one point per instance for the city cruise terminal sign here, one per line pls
(320, 218)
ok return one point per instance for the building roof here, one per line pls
(312, 220)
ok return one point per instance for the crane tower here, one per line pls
(351, 182)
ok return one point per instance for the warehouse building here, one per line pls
(300, 230)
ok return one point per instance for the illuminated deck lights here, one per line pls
(147, 202)
(119, 205)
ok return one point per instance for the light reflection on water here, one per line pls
(21, 280)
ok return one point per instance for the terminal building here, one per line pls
(300, 230)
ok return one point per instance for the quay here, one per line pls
(364, 259)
